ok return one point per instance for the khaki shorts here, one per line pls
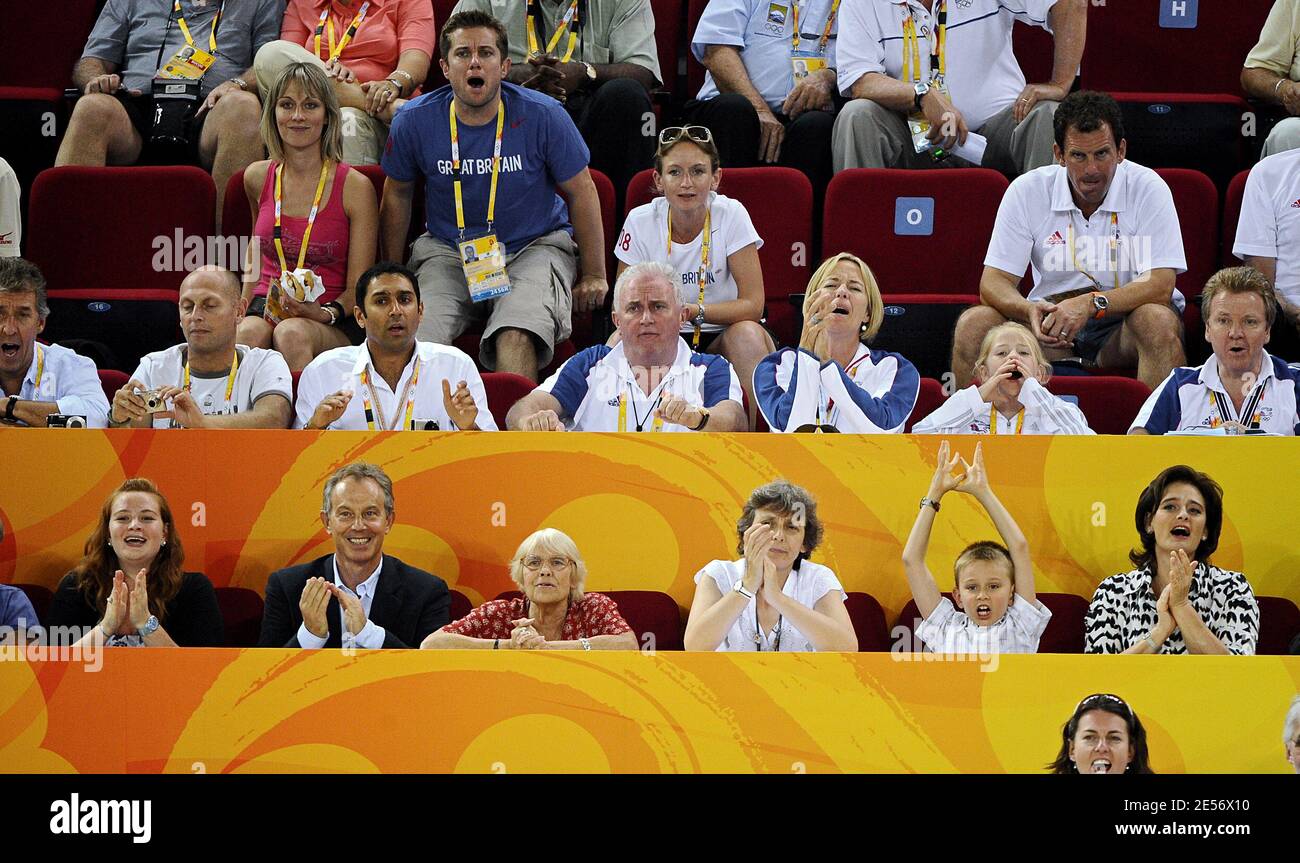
(540, 300)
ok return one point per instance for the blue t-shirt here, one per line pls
(540, 147)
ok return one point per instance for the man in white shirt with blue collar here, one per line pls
(357, 597)
(37, 381)
(392, 381)
(1241, 388)
(649, 381)
(1103, 240)
(951, 61)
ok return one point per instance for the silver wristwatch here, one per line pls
(149, 628)
(739, 587)
(698, 320)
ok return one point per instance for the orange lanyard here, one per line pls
(993, 420)
(571, 21)
(370, 400)
(348, 35)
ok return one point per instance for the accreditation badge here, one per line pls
(484, 261)
(804, 63)
(189, 63)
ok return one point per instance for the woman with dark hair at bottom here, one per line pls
(1103, 736)
(1175, 601)
(130, 588)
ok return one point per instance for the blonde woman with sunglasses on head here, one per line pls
(710, 240)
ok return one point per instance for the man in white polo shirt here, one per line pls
(1268, 239)
(649, 381)
(952, 61)
(392, 381)
(208, 381)
(39, 380)
(1241, 388)
(1102, 236)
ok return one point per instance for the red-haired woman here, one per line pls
(130, 588)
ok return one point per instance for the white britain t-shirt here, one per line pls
(805, 585)
(645, 238)
(261, 372)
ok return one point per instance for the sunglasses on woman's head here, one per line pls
(670, 135)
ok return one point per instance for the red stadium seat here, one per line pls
(1231, 215)
(460, 605)
(39, 596)
(295, 375)
(668, 42)
(503, 390)
(441, 12)
(120, 286)
(1064, 633)
(694, 69)
(112, 380)
(1197, 203)
(241, 612)
(646, 611)
(1279, 624)
(779, 201)
(928, 400)
(868, 622)
(1109, 403)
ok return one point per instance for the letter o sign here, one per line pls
(914, 217)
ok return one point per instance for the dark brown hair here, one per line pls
(94, 573)
(1137, 735)
(468, 21)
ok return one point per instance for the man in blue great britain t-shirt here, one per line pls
(448, 137)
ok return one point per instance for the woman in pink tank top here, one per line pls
(319, 198)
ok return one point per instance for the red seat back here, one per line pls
(928, 399)
(1231, 215)
(40, 42)
(169, 209)
(460, 605)
(646, 611)
(871, 212)
(1197, 203)
(694, 69)
(241, 612)
(1064, 633)
(668, 41)
(868, 622)
(1109, 403)
(1279, 624)
(503, 390)
(112, 380)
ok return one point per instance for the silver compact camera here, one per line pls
(65, 421)
(153, 400)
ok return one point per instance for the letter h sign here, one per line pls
(1178, 14)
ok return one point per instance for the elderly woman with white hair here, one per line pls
(1291, 734)
(553, 614)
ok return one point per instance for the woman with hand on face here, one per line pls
(1104, 736)
(773, 597)
(130, 588)
(553, 614)
(323, 212)
(710, 241)
(1009, 395)
(834, 382)
(1175, 601)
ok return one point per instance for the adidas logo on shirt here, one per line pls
(1295, 205)
(1056, 239)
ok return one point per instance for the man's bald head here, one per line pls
(212, 276)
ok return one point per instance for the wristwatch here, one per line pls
(149, 628)
(591, 71)
(704, 421)
(921, 88)
(739, 587)
(1100, 304)
(698, 320)
(925, 501)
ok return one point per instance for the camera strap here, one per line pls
(572, 21)
(703, 273)
(325, 21)
(311, 217)
(370, 399)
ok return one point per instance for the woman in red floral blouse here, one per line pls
(553, 614)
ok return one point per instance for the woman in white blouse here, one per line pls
(834, 382)
(1009, 395)
(773, 598)
(1175, 601)
(724, 317)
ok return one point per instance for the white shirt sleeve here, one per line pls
(371, 636)
(307, 640)
(1257, 225)
(1012, 242)
(1032, 12)
(81, 393)
(723, 23)
(272, 378)
(740, 228)
(932, 629)
(1066, 418)
(311, 392)
(11, 222)
(825, 582)
(954, 415)
(1029, 619)
(857, 48)
(637, 241)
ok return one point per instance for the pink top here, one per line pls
(327, 253)
(391, 27)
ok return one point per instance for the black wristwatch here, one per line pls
(9, 410)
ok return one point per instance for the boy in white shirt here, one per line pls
(993, 607)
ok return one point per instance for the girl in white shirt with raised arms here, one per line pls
(1009, 395)
(713, 243)
(773, 598)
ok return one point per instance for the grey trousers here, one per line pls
(869, 135)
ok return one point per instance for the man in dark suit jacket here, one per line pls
(356, 597)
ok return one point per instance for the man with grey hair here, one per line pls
(356, 597)
(208, 381)
(39, 380)
(649, 381)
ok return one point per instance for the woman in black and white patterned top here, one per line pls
(1175, 601)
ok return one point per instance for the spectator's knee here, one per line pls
(292, 335)
(1155, 322)
(96, 111)
(861, 114)
(238, 113)
(748, 337)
